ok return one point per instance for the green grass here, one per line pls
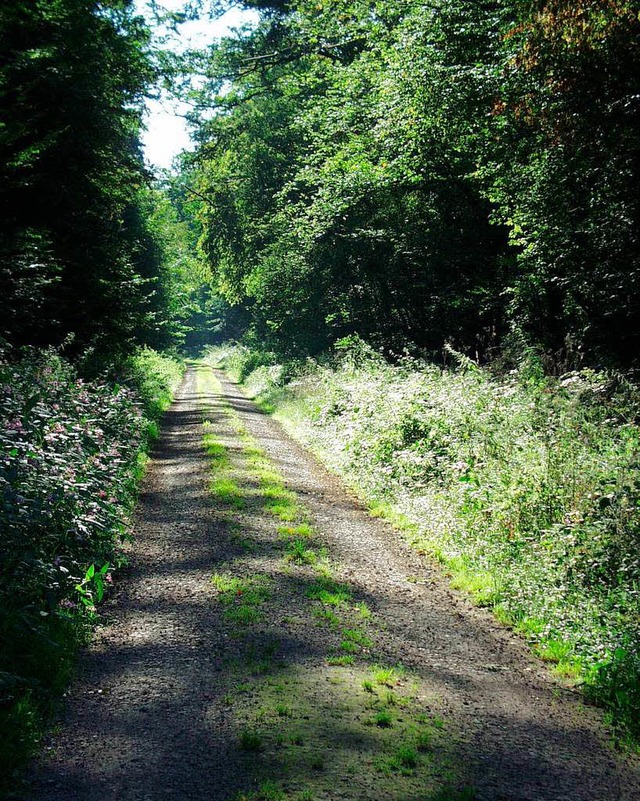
(242, 597)
(385, 676)
(296, 550)
(383, 719)
(215, 451)
(403, 761)
(357, 637)
(226, 490)
(299, 531)
(250, 740)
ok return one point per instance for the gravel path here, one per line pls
(148, 717)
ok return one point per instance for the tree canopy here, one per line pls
(418, 173)
(422, 173)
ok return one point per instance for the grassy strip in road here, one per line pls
(328, 711)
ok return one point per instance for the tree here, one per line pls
(76, 258)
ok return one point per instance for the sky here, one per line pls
(166, 131)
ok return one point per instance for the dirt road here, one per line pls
(326, 660)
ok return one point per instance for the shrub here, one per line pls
(71, 459)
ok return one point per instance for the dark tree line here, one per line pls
(87, 254)
(428, 172)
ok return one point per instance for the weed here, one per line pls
(284, 510)
(297, 551)
(344, 660)
(404, 761)
(357, 637)
(452, 794)
(363, 610)
(301, 530)
(329, 592)
(283, 711)
(407, 757)
(390, 698)
(328, 616)
(424, 742)
(383, 719)
(215, 451)
(367, 686)
(554, 650)
(242, 614)
(385, 676)
(242, 597)
(269, 791)
(317, 762)
(250, 740)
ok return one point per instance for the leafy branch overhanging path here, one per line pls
(325, 660)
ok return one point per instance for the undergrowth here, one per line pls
(525, 487)
(72, 455)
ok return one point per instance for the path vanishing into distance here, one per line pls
(271, 640)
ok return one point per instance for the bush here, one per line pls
(526, 487)
(154, 377)
(71, 459)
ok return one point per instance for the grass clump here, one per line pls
(226, 491)
(299, 531)
(296, 550)
(242, 597)
(383, 719)
(250, 740)
(385, 676)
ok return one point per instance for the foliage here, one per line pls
(154, 378)
(76, 253)
(426, 173)
(71, 459)
(525, 487)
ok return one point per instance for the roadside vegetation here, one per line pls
(524, 487)
(73, 452)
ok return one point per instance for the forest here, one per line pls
(436, 197)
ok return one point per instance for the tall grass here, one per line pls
(525, 487)
(72, 454)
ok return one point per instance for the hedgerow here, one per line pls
(525, 487)
(72, 454)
